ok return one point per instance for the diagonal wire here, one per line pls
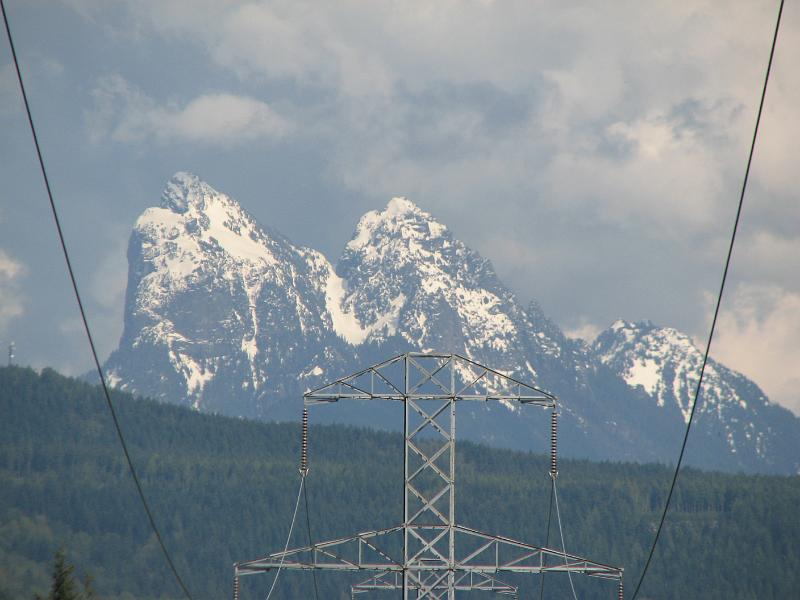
(83, 315)
(310, 541)
(289, 537)
(547, 538)
(716, 309)
(563, 545)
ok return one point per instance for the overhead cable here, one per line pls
(563, 546)
(547, 538)
(310, 540)
(71, 273)
(716, 309)
(288, 537)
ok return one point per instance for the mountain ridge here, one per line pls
(228, 316)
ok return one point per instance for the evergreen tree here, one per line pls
(64, 586)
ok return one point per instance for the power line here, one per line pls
(310, 541)
(719, 302)
(563, 545)
(547, 538)
(288, 537)
(83, 312)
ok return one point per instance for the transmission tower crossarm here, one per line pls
(429, 376)
(501, 554)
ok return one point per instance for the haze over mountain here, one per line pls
(226, 315)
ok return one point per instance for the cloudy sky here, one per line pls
(593, 151)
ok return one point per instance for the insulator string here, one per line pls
(304, 445)
(554, 443)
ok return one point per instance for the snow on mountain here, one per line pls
(226, 315)
(409, 279)
(407, 275)
(208, 291)
(662, 361)
(665, 364)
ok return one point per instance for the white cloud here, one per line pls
(9, 268)
(583, 330)
(107, 288)
(11, 301)
(125, 113)
(757, 335)
(649, 171)
(591, 76)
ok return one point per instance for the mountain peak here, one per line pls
(619, 325)
(181, 190)
(665, 362)
(196, 226)
(640, 327)
(401, 220)
(625, 336)
(401, 206)
(200, 244)
(185, 178)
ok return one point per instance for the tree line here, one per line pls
(223, 490)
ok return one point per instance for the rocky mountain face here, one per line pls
(228, 316)
(734, 418)
(220, 313)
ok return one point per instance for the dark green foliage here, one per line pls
(63, 585)
(223, 490)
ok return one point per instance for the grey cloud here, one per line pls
(11, 301)
(125, 113)
(758, 336)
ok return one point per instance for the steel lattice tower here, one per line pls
(438, 557)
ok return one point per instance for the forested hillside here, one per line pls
(223, 490)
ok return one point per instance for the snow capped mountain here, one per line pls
(406, 275)
(226, 315)
(665, 364)
(216, 301)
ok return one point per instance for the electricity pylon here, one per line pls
(429, 555)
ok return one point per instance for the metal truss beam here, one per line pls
(486, 554)
(427, 376)
(465, 582)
